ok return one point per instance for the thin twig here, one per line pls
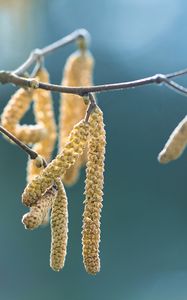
(37, 54)
(81, 36)
(177, 73)
(25, 148)
(8, 77)
(177, 87)
(91, 106)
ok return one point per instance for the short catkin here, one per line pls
(13, 113)
(93, 193)
(57, 167)
(37, 214)
(44, 116)
(77, 72)
(175, 144)
(59, 228)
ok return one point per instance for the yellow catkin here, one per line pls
(57, 167)
(77, 72)
(38, 211)
(44, 116)
(30, 134)
(14, 111)
(59, 229)
(175, 144)
(93, 193)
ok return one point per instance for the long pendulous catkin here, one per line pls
(175, 144)
(44, 116)
(38, 211)
(63, 161)
(14, 111)
(59, 228)
(93, 193)
(77, 72)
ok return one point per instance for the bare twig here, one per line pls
(177, 73)
(81, 35)
(8, 77)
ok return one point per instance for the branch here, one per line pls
(81, 36)
(8, 77)
(32, 154)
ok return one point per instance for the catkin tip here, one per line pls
(26, 222)
(38, 212)
(176, 143)
(163, 157)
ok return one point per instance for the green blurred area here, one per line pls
(144, 218)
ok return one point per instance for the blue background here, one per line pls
(144, 219)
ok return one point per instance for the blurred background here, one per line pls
(144, 218)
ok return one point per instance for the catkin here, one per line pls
(44, 116)
(38, 211)
(57, 167)
(59, 229)
(93, 193)
(77, 72)
(14, 111)
(175, 144)
(46, 218)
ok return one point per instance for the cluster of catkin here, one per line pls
(42, 136)
(81, 141)
(176, 143)
(83, 134)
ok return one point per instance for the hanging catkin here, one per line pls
(44, 116)
(57, 167)
(93, 193)
(78, 72)
(59, 228)
(38, 211)
(14, 111)
(175, 144)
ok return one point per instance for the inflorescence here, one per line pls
(81, 141)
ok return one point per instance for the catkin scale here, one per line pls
(37, 214)
(14, 111)
(57, 167)
(93, 193)
(175, 144)
(59, 229)
(44, 116)
(77, 72)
